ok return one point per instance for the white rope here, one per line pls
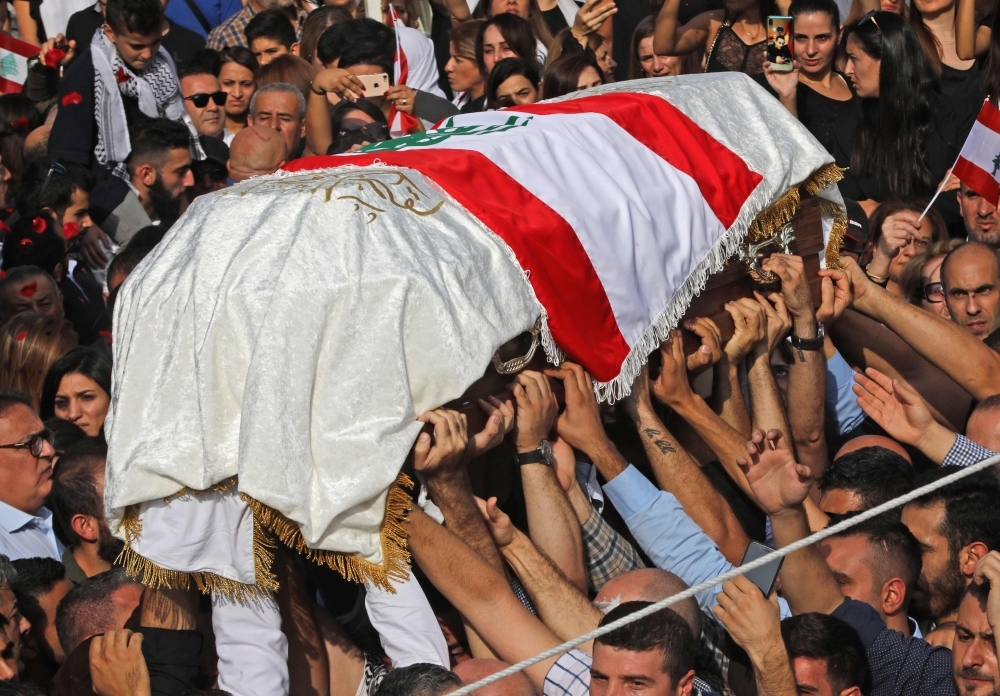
(729, 575)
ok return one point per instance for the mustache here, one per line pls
(973, 673)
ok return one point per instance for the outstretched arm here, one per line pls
(672, 39)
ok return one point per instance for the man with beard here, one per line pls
(40, 585)
(956, 526)
(982, 224)
(13, 626)
(974, 652)
(159, 169)
(78, 504)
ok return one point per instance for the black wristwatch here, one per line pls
(541, 455)
(801, 344)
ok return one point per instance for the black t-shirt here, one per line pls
(555, 19)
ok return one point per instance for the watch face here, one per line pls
(546, 449)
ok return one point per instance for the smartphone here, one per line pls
(779, 43)
(764, 576)
(375, 85)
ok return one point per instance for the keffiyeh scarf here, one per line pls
(155, 88)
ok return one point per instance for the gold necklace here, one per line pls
(746, 32)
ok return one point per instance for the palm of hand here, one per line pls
(776, 482)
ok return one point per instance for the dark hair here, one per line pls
(928, 42)
(969, 244)
(142, 17)
(9, 398)
(664, 630)
(893, 550)
(89, 608)
(289, 70)
(241, 55)
(21, 688)
(896, 204)
(83, 360)
(318, 21)
(989, 82)
(505, 69)
(66, 433)
(18, 117)
(643, 30)
(912, 280)
(822, 637)
(890, 137)
(25, 247)
(827, 7)
(362, 38)
(875, 474)
(563, 75)
(35, 578)
(202, 62)
(44, 185)
(979, 590)
(421, 679)
(74, 486)
(344, 107)
(152, 142)
(970, 507)
(271, 24)
(142, 242)
(515, 31)
(535, 22)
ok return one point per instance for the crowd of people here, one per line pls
(561, 514)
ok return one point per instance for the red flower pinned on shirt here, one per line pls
(21, 336)
(122, 76)
(38, 225)
(20, 124)
(54, 57)
(26, 242)
(106, 335)
(29, 289)
(71, 98)
(70, 230)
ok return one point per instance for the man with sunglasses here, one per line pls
(26, 454)
(203, 99)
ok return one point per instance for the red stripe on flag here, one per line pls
(9, 87)
(725, 180)
(22, 48)
(977, 179)
(580, 315)
(989, 116)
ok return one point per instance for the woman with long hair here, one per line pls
(505, 36)
(29, 345)
(464, 71)
(898, 236)
(972, 41)
(292, 70)
(814, 92)
(18, 117)
(236, 69)
(935, 23)
(571, 73)
(644, 62)
(318, 21)
(733, 38)
(513, 82)
(909, 134)
(78, 389)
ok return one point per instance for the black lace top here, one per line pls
(730, 54)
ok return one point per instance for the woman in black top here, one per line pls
(936, 25)
(909, 133)
(814, 92)
(733, 38)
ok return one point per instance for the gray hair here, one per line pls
(8, 574)
(421, 679)
(279, 87)
(89, 609)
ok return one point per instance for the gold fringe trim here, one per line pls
(772, 219)
(155, 576)
(836, 233)
(395, 555)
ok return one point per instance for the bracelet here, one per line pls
(313, 90)
(878, 280)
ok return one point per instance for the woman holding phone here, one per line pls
(734, 38)
(814, 92)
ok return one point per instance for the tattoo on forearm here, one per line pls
(664, 446)
(651, 432)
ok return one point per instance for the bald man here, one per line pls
(472, 671)
(649, 585)
(971, 278)
(861, 441)
(256, 150)
(37, 142)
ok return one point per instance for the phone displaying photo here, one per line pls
(779, 43)
(764, 576)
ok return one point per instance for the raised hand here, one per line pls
(536, 409)
(859, 282)
(443, 453)
(499, 422)
(894, 405)
(776, 479)
(750, 323)
(339, 82)
(836, 294)
(779, 323)
(671, 387)
(750, 618)
(501, 528)
(988, 569)
(117, 667)
(710, 350)
(794, 284)
(580, 423)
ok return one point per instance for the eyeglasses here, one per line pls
(348, 137)
(200, 100)
(35, 443)
(54, 168)
(934, 292)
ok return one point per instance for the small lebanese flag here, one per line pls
(978, 165)
(400, 122)
(14, 55)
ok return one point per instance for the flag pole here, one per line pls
(940, 188)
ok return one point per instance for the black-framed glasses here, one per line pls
(934, 292)
(200, 100)
(35, 444)
(369, 133)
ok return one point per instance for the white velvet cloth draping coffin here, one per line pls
(289, 329)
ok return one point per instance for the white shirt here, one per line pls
(28, 536)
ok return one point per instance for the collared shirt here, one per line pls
(570, 676)
(605, 552)
(74, 573)
(232, 32)
(28, 536)
(965, 452)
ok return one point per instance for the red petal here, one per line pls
(38, 225)
(20, 123)
(122, 76)
(3, 274)
(29, 289)
(106, 335)
(21, 336)
(70, 230)
(26, 242)
(54, 57)
(3, 227)
(71, 98)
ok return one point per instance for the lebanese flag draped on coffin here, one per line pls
(288, 330)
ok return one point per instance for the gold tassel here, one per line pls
(836, 233)
(769, 221)
(823, 177)
(395, 556)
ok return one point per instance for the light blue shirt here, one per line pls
(669, 536)
(841, 403)
(28, 536)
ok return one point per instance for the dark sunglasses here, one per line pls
(934, 292)
(200, 100)
(35, 443)
(348, 137)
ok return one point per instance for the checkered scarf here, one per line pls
(155, 88)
